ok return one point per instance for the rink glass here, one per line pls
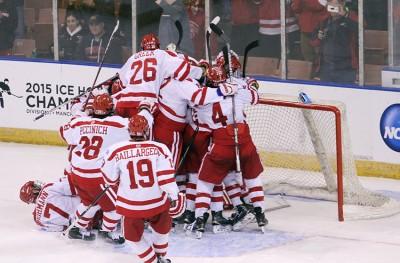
(283, 57)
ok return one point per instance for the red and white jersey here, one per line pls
(145, 173)
(219, 114)
(92, 137)
(55, 204)
(175, 96)
(144, 72)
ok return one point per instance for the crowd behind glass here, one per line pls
(321, 35)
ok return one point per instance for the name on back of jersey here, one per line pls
(137, 153)
(93, 130)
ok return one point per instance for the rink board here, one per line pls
(43, 85)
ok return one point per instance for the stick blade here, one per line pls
(216, 29)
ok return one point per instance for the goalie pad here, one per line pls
(178, 206)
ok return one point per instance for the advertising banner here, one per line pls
(28, 89)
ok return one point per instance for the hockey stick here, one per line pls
(215, 21)
(178, 25)
(227, 56)
(76, 97)
(249, 47)
(102, 62)
(19, 97)
(187, 149)
(65, 232)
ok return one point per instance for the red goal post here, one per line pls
(306, 152)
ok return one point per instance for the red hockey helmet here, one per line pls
(216, 75)
(220, 60)
(139, 127)
(150, 42)
(102, 104)
(30, 191)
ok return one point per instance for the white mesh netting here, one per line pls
(298, 150)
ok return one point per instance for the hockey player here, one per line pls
(174, 99)
(55, 203)
(147, 190)
(221, 158)
(144, 72)
(91, 137)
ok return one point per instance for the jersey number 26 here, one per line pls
(149, 70)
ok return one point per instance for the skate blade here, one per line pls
(262, 228)
(199, 234)
(249, 218)
(217, 229)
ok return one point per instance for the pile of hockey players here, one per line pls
(156, 144)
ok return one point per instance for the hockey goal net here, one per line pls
(306, 152)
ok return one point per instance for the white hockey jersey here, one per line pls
(144, 72)
(145, 173)
(55, 204)
(92, 137)
(219, 114)
(176, 96)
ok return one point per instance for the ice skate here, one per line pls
(260, 217)
(189, 218)
(113, 237)
(198, 226)
(161, 259)
(220, 223)
(81, 234)
(241, 217)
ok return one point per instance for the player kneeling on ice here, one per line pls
(92, 135)
(220, 159)
(147, 191)
(55, 203)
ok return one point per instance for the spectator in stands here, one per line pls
(71, 35)
(93, 45)
(310, 14)
(174, 10)
(337, 39)
(244, 23)
(270, 29)
(8, 24)
(195, 11)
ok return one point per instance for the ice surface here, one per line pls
(306, 232)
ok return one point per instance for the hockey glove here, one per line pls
(227, 89)
(178, 206)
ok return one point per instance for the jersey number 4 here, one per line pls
(149, 70)
(217, 114)
(144, 175)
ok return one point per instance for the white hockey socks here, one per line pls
(217, 199)
(191, 191)
(255, 191)
(233, 188)
(144, 251)
(160, 243)
(83, 221)
(110, 221)
(203, 197)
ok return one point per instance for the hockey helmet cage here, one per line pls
(150, 42)
(30, 191)
(216, 75)
(139, 127)
(220, 60)
(102, 104)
